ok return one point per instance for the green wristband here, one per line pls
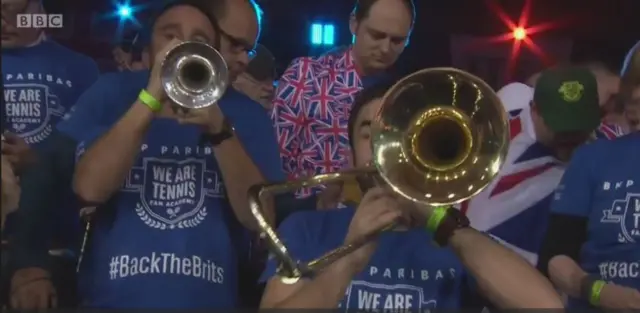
(146, 98)
(596, 289)
(436, 218)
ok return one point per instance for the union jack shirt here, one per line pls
(514, 208)
(311, 112)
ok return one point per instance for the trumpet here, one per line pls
(194, 75)
(439, 138)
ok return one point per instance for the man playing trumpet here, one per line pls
(401, 268)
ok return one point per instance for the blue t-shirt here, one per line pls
(41, 83)
(602, 184)
(407, 271)
(168, 243)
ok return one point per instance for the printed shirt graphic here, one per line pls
(515, 205)
(41, 83)
(602, 184)
(168, 243)
(311, 112)
(407, 272)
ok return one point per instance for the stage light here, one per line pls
(316, 34)
(519, 33)
(323, 34)
(124, 11)
(328, 35)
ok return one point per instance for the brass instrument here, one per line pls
(440, 137)
(194, 75)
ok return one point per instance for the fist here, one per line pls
(17, 152)
(154, 86)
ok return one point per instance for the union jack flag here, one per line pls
(608, 131)
(515, 206)
(311, 111)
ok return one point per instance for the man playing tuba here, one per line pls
(401, 269)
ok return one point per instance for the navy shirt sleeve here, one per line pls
(88, 138)
(293, 232)
(90, 109)
(255, 131)
(573, 194)
(90, 71)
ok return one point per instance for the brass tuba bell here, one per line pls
(194, 75)
(440, 137)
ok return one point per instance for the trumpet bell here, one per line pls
(441, 136)
(194, 75)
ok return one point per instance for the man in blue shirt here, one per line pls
(41, 81)
(592, 246)
(165, 241)
(402, 269)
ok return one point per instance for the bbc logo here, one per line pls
(39, 21)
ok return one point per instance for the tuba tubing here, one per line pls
(289, 267)
(439, 138)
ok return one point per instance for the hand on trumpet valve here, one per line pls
(378, 210)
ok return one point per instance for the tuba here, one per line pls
(194, 75)
(439, 138)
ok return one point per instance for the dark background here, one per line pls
(602, 30)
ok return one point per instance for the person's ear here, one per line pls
(353, 24)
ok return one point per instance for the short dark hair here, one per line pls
(214, 10)
(362, 99)
(363, 7)
(206, 7)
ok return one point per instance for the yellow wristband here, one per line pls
(146, 98)
(436, 218)
(596, 289)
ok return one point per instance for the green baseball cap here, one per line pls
(567, 99)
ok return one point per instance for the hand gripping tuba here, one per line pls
(440, 137)
(194, 75)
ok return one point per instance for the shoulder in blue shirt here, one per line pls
(602, 184)
(103, 103)
(41, 84)
(406, 272)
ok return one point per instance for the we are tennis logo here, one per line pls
(39, 21)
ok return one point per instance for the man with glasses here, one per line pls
(169, 240)
(41, 81)
(257, 82)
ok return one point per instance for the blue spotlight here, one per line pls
(124, 11)
(323, 34)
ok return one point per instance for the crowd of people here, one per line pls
(111, 198)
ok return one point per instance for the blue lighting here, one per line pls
(124, 11)
(323, 34)
(316, 34)
(328, 35)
